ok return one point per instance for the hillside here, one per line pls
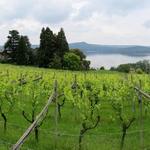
(101, 105)
(89, 49)
(131, 50)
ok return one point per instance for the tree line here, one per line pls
(53, 51)
(139, 67)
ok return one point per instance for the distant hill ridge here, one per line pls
(132, 50)
(89, 49)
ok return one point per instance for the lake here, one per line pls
(113, 60)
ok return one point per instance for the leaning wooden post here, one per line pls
(133, 101)
(84, 75)
(38, 119)
(132, 77)
(141, 118)
(75, 81)
(56, 114)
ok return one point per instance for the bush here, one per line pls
(124, 68)
(79, 53)
(113, 69)
(71, 61)
(139, 71)
(86, 64)
(102, 68)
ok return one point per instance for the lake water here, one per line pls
(113, 60)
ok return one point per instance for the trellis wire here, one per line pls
(51, 132)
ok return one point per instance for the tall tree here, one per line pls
(31, 56)
(47, 47)
(61, 44)
(22, 51)
(28, 44)
(12, 44)
(40, 54)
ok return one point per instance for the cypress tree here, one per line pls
(40, 54)
(12, 44)
(30, 54)
(28, 44)
(22, 51)
(61, 44)
(47, 47)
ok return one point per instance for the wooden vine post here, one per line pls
(141, 117)
(56, 115)
(38, 120)
(147, 96)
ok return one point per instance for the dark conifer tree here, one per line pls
(28, 44)
(12, 44)
(22, 51)
(47, 47)
(40, 54)
(61, 44)
(30, 52)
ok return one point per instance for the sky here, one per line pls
(112, 22)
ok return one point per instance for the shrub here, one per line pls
(139, 71)
(71, 61)
(102, 68)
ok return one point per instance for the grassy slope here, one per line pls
(105, 137)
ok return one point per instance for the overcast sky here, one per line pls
(92, 21)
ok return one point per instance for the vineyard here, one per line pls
(64, 110)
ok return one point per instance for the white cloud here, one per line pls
(53, 11)
(111, 7)
(147, 24)
(94, 21)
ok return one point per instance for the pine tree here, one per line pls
(22, 51)
(40, 54)
(61, 44)
(47, 47)
(30, 54)
(28, 44)
(12, 44)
